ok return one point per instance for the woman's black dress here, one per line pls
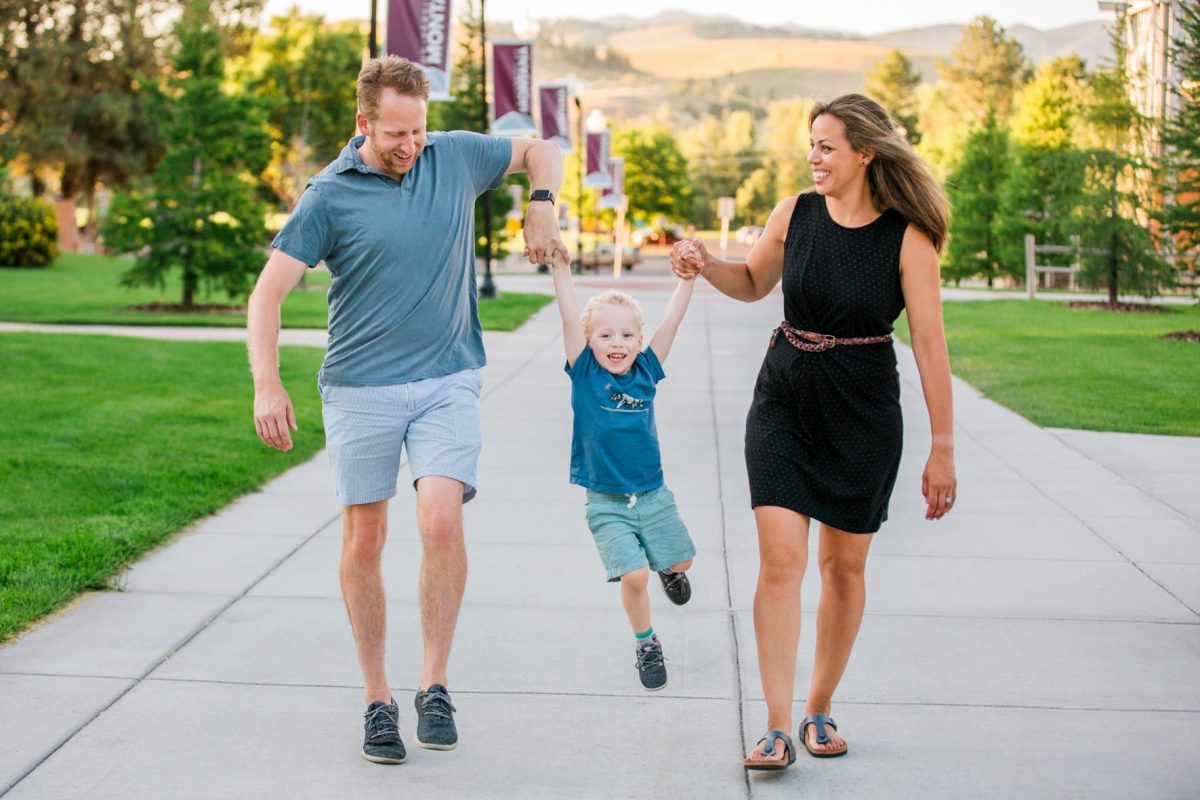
(824, 432)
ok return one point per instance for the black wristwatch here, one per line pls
(542, 194)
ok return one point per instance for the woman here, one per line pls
(823, 436)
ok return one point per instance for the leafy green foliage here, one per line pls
(1042, 193)
(656, 173)
(28, 232)
(974, 188)
(198, 212)
(304, 74)
(1115, 197)
(893, 84)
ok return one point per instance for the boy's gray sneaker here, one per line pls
(651, 665)
(382, 742)
(676, 585)
(435, 719)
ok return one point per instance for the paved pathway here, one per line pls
(1043, 641)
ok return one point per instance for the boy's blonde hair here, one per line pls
(611, 297)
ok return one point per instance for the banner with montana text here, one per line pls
(512, 76)
(419, 30)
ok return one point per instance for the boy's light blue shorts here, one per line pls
(436, 421)
(630, 536)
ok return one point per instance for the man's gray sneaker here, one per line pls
(651, 665)
(382, 725)
(435, 719)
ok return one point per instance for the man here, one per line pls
(393, 219)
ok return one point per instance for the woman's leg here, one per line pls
(842, 558)
(783, 555)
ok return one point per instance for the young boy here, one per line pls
(615, 455)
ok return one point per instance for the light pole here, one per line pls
(487, 289)
(596, 122)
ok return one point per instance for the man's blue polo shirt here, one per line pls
(402, 304)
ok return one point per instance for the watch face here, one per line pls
(542, 194)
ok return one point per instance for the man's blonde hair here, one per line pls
(613, 298)
(393, 72)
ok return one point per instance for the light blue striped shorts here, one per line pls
(436, 421)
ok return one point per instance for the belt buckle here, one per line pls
(829, 342)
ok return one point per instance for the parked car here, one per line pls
(667, 235)
(602, 257)
(748, 234)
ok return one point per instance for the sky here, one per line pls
(856, 16)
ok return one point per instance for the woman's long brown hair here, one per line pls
(897, 176)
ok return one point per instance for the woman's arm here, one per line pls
(920, 280)
(750, 280)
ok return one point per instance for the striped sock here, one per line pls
(644, 636)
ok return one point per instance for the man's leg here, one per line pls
(364, 532)
(443, 570)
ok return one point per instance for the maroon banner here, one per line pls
(554, 100)
(598, 154)
(611, 197)
(512, 73)
(419, 30)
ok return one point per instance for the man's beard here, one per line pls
(386, 160)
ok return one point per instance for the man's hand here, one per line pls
(274, 416)
(542, 240)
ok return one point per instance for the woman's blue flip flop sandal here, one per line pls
(769, 751)
(820, 720)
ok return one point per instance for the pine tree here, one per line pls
(975, 186)
(1115, 201)
(1181, 144)
(893, 83)
(198, 211)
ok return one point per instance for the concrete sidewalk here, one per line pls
(1042, 641)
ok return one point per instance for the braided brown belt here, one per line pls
(811, 342)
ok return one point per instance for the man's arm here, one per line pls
(676, 308)
(568, 308)
(273, 412)
(543, 161)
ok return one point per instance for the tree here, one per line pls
(656, 173)
(1181, 143)
(985, 71)
(893, 84)
(721, 152)
(1042, 194)
(75, 82)
(1113, 212)
(974, 187)
(305, 74)
(198, 212)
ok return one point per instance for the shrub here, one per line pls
(28, 232)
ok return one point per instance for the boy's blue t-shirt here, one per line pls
(614, 446)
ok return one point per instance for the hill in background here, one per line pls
(677, 65)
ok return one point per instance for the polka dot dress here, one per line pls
(824, 432)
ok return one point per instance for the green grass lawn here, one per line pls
(86, 289)
(108, 445)
(1079, 368)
